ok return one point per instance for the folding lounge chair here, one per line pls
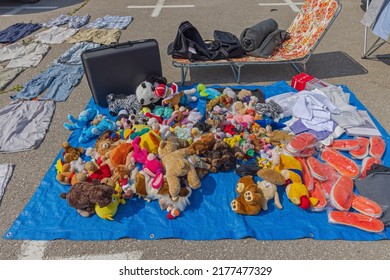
(374, 9)
(307, 31)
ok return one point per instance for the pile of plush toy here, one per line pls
(161, 145)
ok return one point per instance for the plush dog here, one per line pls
(177, 165)
(84, 196)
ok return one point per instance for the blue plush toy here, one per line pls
(96, 130)
(85, 117)
(208, 93)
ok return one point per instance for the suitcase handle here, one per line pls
(130, 43)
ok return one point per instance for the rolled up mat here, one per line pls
(251, 38)
(270, 43)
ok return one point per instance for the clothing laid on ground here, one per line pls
(100, 36)
(382, 25)
(24, 124)
(58, 80)
(72, 21)
(73, 54)
(55, 35)
(111, 22)
(23, 55)
(348, 115)
(7, 75)
(314, 110)
(17, 31)
(5, 175)
(298, 127)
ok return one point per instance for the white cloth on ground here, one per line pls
(314, 109)
(347, 115)
(24, 124)
(23, 55)
(286, 101)
(55, 35)
(5, 175)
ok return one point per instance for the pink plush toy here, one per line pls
(138, 154)
(154, 168)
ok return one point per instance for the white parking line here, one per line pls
(17, 9)
(159, 6)
(293, 5)
(34, 250)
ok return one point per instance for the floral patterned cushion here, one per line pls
(306, 30)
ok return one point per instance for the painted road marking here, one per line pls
(35, 250)
(293, 5)
(159, 6)
(17, 9)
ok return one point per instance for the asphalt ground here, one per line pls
(336, 60)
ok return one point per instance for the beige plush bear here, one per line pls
(176, 165)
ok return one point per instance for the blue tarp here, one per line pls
(209, 217)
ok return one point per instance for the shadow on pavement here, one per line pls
(322, 65)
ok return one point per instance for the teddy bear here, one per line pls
(176, 165)
(244, 95)
(250, 198)
(201, 146)
(253, 197)
(222, 157)
(66, 176)
(84, 196)
(71, 153)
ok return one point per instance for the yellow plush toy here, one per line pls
(109, 211)
(290, 168)
(299, 195)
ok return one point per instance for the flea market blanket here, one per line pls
(208, 217)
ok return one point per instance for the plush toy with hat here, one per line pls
(146, 91)
(171, 95)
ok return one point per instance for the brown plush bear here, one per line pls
(250, 198)
(84, 196)
(67, 176)
(243, 93)
(222, 157)
(201, 146)
(71, 153)
(176, 165)
(104, 144)
(254, 197)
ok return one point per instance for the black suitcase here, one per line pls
(120, 68)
